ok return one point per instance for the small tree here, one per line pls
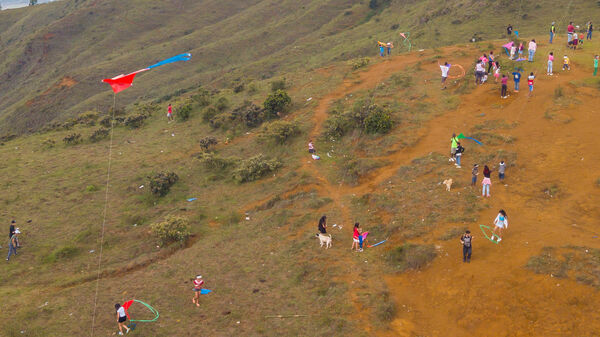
(378, 121)
(173, 229)
(279, 131)
(161, 183)
(277, 101)
(207, 142)
(255, 168)
(184, 112)
(72, 139)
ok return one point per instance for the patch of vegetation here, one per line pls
(183, 112)
(48, 143)
(410, 256)
(279, 132)
(558, 92)
(255, 168)
(278, 85)
(99, 134)
(494, 124)
(359, 63)
(352, 169)
(91, 188)
(216, 162)
(277, 102)
(207, 142)
(72, 139)
(378, 121)
(175, 229)
(160, 183)
(202, 97)
(551, 190)
(135, 121)
(62, 253)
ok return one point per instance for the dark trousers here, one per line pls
(503, 93)
(467, 253)
(490, 65)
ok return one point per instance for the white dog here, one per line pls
(448, 183)
(324, 239)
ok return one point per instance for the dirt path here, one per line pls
(495, 295)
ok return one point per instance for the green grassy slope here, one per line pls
(89, 40)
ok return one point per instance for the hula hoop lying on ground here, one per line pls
(485, 234)
(462, 72)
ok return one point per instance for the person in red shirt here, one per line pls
(530, 82)
(570, 30)
(169, 113)
(356, 237)
(198, 283)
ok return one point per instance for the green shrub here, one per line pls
(238, 86)
(91, 188)
(173, 229)
(161, 183)
(88, 118)
(278, 132)
(255, 168)
(202, 98)
(249, 114)
(338, 125)
(48, 143)
(208, 113)
(378, 121)
(411, 256)
(184, 111)
(105, 121)
(207, 142)
(360, 62)
(72, 139)
(277, 102)
(69, 124)
(222, 104)
(278, 85)
(62, 253)
(99, 134)
(135, 121)
(213, 161)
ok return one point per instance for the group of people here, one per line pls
(358, 236)
(466, 239)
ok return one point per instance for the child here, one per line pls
(497, 71)
(389, 48)
(311, 147)
(453, 146)
(356, 237)
(459, 151)
(513, 51)
(504, 81)
(490, 62)
(466, 240)
(500, 223)
(198, 283)
(170, 113)
(445, 68)
(575, 41)
(474, 173)
(550, 61)
(521, 50)
(381, 50)
(501, 170)
(595, 64)
(121, 318)
(530, 83)
(517, 78)
(566, 63)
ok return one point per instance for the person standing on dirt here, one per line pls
(595, 65)
(453, 146)
(170, 113)
(198, 283)
(500, 223)
(486, 182)
(323, 225)
(530, 79)
(466, 240)
(121, 318)
(474, 174)
(479, 72)
(490, 62)
(357, 238)
(381, 50)
(517, 79)
(504, 82)
(389, 48)
(532, 48)
(589, 31)
(509, 30)
(501, 170)
(311, 147)
(550, 63)
(552, 31)
(445, 68)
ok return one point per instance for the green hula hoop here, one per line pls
(154, 311)
(485, 234)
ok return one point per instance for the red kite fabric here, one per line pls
(122, 82)
(126, 305)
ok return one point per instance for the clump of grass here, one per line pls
(359, 63)
(352, 169)
(385, 308)
(551, 190)
(175, 229)
(410, 256)
(598, 182)
(558, 92)
(62, 253)
(547, 263)
(453, 233)
(91, 188)
(402, 80)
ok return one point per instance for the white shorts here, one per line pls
(355, 240)
(169, 114)
(500, 225)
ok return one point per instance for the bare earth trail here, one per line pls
(495, 295)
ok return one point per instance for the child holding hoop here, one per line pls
(500, 223)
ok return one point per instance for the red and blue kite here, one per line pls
(122, 82)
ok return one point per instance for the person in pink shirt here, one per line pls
(497, 71)
(198, 283)
(521, 48)
(550, 62)
(532, 48)
(570, 31)
(504, 82)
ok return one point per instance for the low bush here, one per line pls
(62, 253)
(135, 121)
(207, 142)
(278, 132)
(238, 86)
(213, 161)
(72, 139)
(48, 143)
(202, 98)
(249, 114)
(91, 188)
(209, 113)
(378, 120)
(360, 62)
(175, 229)
(88, 118)
(222, 104)
(105, 121)
(410, 256)
(255, 168)
(99, 134)
(278, 85)
(184, 111)
(402, 80)
(161, 183)
(277, 102)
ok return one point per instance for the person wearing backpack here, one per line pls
(466, 241)
(459, 152)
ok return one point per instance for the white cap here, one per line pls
(199, 276)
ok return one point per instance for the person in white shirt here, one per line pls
(500, 223)
(479, 72)
(121, 318)
(445, 68)
(532, 47)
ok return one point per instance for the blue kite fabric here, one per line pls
(180, 57)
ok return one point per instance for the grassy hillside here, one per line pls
(54, 56)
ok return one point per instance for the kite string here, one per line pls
(112, 124)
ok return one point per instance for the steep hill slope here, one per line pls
(85, 41)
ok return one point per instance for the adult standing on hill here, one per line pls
(570, 31)
(490, 62)
(323, 225)
(509, 30)
(445, 68)
(532, 48)
(589, 31)
(517, 79)
(552, 31)
(169, 113)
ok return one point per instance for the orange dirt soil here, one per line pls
(495, 295)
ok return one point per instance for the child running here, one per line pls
(517, 79)
(121, 318)
(566, 63)
(504, 81)
(486, 182)
(500, 223)
(550, 62)
(530, 79)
